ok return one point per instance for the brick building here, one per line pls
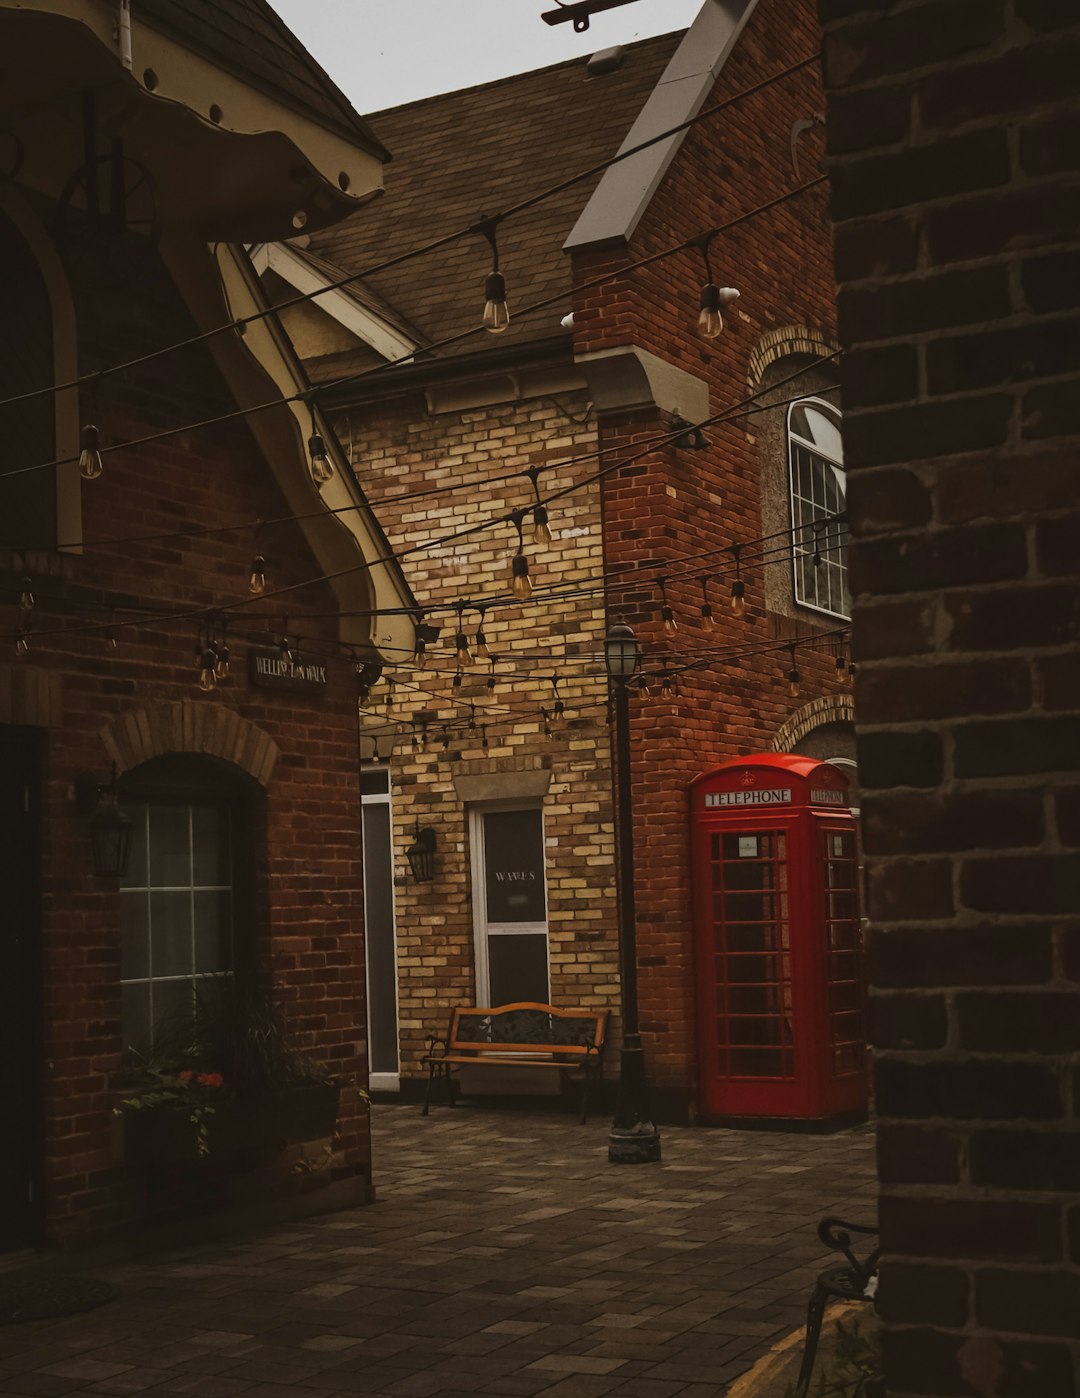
(953, 130)
(136, 161)
(444, 435)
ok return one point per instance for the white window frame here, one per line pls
(482, 929)
(833, 538)
(382, 1082)
(147, 890)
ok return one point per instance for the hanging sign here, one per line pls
(766, 796)
(296, 676)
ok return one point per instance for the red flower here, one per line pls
(185, 1076)
(210, 1080)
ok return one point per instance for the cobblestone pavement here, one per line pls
(504, 1256)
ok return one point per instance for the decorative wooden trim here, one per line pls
(832, 708)
(189, 726)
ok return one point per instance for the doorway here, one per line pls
(21, 1084)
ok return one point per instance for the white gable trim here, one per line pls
(625, 189)
(366, 325)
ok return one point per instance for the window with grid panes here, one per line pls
(176, 912)
(818, 494)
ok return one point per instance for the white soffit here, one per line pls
(382, 337)
(624, 191)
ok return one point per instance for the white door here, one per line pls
(510, 904)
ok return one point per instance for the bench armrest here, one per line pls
(435, 1042)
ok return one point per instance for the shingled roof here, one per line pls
(248, 39)
(462, 155)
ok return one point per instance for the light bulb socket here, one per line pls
(495, 287)
(710, 297)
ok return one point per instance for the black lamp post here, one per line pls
(634, 1139)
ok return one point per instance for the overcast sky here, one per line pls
(385, 52)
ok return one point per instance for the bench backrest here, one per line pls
(526, 1026)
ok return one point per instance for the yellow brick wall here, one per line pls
(398, 449)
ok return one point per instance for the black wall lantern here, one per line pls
(110, 828)
(421, 855)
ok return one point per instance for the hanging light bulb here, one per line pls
(420, 654)
(643, 687)
(445, 738)
(665, 685)
(496, 312)
(841, 663)
(221, 668)
(376, 755)
(26, 596)
(546, 722)
(491, 677)
(738, 587)
(480, 646)
(496, 315)
(793, 676)
(852, 670)
(110, 639)
(207, 670)
(559, 708)
(541, 528)
(22, 641)
(706, 605)
(257, 575)
(667, 615)
(389, 696)
(521, 584)
(90, 466)
(461, 641)
(321, 466)
(484, 737)
(457, 680)
(285, 651)
(710, 321)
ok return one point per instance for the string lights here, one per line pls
(319, 463)
(738, 587)
(710, 320)
(706, 605)
(520, 582)
(496, 317)
(480, 645)
(541, 527)
(794, 678)
(667, 614)
(90, 466)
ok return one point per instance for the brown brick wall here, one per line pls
(953, 134)
(309, 931)
(687, 502)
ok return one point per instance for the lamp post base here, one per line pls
(638, 1145)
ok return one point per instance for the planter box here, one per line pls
(158, 1138)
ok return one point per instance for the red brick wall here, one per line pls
(954, 129)
(686, 502)
(309, 928)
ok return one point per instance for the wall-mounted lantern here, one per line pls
(421, 855)
(110, 828)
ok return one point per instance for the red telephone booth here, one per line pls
(777, 940)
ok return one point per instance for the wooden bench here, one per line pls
(522, 1035)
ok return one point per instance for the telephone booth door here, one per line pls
(777, 945)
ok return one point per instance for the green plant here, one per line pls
(197, 1094)
(853, 1369)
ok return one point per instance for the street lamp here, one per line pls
(634, 1139)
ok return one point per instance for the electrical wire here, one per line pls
(431, 246)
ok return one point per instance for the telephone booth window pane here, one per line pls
(751, 944)
(844, 954)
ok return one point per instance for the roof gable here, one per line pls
(249, 39)
(464, 154)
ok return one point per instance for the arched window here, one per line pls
(818, 493)
(187, 893)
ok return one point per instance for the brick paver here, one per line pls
(504, 1257)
